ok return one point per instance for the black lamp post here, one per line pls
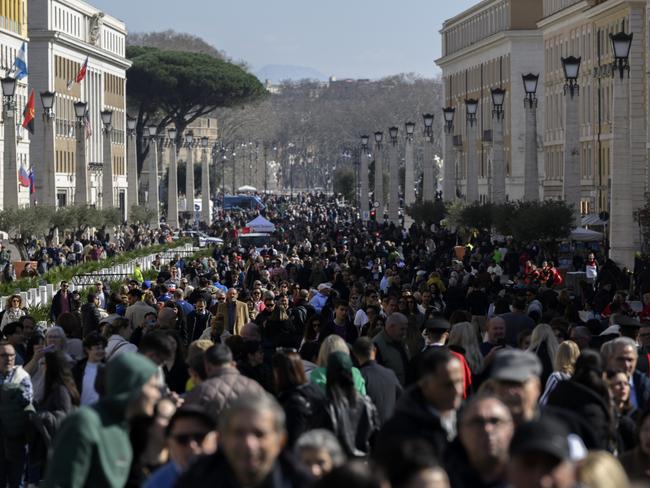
(571, 67)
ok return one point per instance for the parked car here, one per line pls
(200, 238)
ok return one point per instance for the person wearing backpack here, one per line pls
(16, 395)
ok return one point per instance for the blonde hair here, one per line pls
(602, 470)
(566, 356)
(463, 334)
(332, 343)
(198, 347)
(543, 334)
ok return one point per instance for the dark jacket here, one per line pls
(196, 324)
(214, 470)
(641, 389)
(304, 407)
(56, 310)
(90, 318)
(461, 473)
(383, 388)
(413, 419)
(589, 406)
(351, 332)
(353, 424)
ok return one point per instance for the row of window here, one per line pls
(554, 162)
(12, 15)
(477, 27)
(65, 163)
(113, 41)
(65, 20)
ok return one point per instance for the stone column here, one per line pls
(44, 180)
(531, 171)
(498, 160)
(132, 172)
(205, 188)
(471, 192)
(379, 182)
(571, 179)
(189, 181)
(622, 226)
(393, 183)
(363, 183)
(108, 199)
(172, 188)
(153, 201)
(449, 167)
(10, 177)
(409, 172)
(428, 176)
(81, 168)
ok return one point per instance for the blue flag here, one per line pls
(21, 62)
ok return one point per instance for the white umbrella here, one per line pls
(247, 188)
(585, 235)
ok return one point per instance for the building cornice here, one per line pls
(13, 34)
(467, 14)
(603, 7)
(66, 40)
(499, 37)
(88, 10)
(560, 15)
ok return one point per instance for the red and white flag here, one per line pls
(80, 75)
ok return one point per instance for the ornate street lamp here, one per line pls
(498, 99)
(571, 67)
(47, 101)
(204, 142)
(379, 137)
(364, 142)
(189, 138)
(410, 130)
(152, 130)
(172, 133)
(8, 88)
(131, 123)
(392, 131)
(428, 124)
(621, 45)
(530, 87)
(80, 109)
(471, 107)
(107, 119)
(448, 113)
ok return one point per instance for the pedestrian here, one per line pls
(564, 366)
(319, 451)
(392, 351)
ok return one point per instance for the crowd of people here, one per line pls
(341, 355)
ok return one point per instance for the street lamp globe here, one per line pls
(152, 130)
(8, 86)
(47, 100)
(448, 113)
(621, 44)
(471, 105)
(172, 133)
(80, 109)
(571, 67)
(410, 128)
(130, 123)
(364, 141)
(392, 132)
(498, 97)
(107, 117)
(428, 120)
(379, 137)
(530, 84)
(189, 138)
(204, 142)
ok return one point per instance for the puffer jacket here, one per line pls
(217, 392)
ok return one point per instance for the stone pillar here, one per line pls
(172, 189)
(108, 198)
(428, 177)
(531, 171)
(409, 172)
(622, 226)
(81, 168)
(205, 188)
(131, 172)
(10, 177)
(572, 187)
(379, 182)
(153, 201)
(449, 167)
(498, 160)
(189, 181)
(393, 183)
(471, 192)
(44, 180)
(363, 183)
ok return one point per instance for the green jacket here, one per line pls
(92, 447)
(318, 377)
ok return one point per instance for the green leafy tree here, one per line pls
(427, 212)
(22, 225)
(140, 214)
(546, 221)
(344, 184)
(173, 87)
(478, 216)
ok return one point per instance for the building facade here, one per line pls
(13, 32)
(488, 46)
(63, 34)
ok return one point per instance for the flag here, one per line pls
(28, 114)
(88, 128)
(80, 75)
(23, 176)
(20, 63)
(32, 184)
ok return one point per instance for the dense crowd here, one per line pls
(340, 355)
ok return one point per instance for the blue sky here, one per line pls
(344, 38)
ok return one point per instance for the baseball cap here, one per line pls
(515, 365)
(545, 435)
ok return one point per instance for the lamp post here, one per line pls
(531, 170)
(428, 176)
(205, 182)
(81, 169)
(498, 153)
(45, 181)
(393, 177)
(471, 108)
(189, 174)
(108, 200)
(131, 164)
(409, 165)
(449, 169)
(571, 179)
(379, 177)
(172, 187)
(363, 179)
(622, 227)
(153, 200)
(10, 173)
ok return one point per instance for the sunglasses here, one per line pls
(185, 439)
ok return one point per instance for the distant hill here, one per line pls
(277, 73)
